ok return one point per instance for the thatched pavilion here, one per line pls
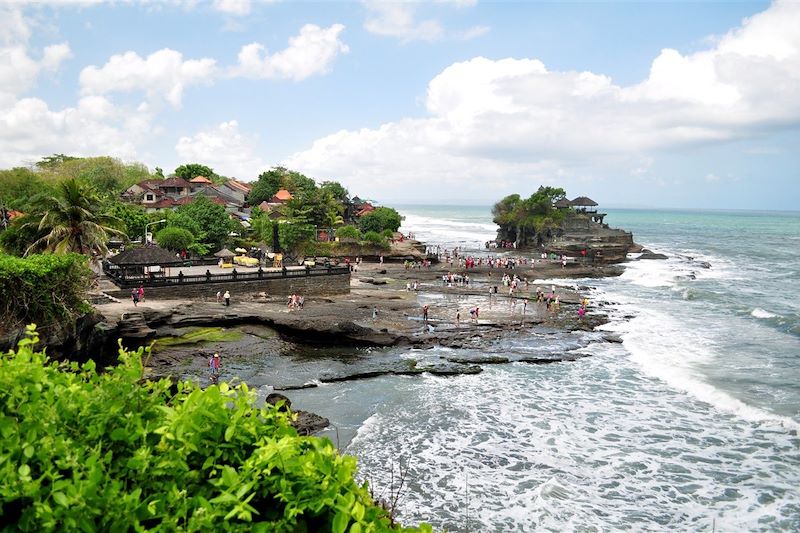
(584, 203)
(226, 256)
(147, 260)
(562, 204)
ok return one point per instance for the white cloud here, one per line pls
(514, 118)
(310, 52)
(19, 67)
(238, 8)
(473, 32)
(397, 19)
(224, 149)
(162, 73)
(29, 129)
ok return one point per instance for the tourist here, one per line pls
(219, 296)
(213, 365)
(374, 312)
(227, 297)
(425, 312)
(381, 259)
(141, 293)
(135, 296)
(458, 318)
(581, 312)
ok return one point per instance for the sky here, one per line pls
(634, 104)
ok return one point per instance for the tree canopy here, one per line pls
(529, 221)
(192, 170)
(380, 219)
(207, 221)
(174, 238)
(73, 220)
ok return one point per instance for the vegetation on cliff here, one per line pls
(82, 450)
(42, 288)
(529, 221)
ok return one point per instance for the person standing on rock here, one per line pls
(374, 313)
(135, 297)
(458, 318)
(141, 293)
(227, 297)
(213, 366)
(425, 312)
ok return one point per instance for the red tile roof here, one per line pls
(282, 196)
(200, 179)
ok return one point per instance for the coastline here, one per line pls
(264, 324)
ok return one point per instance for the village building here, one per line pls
(173, 192)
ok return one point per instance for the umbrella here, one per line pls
(240, 250)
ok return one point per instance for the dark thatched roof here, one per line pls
(562, 203)
(583, 201)
(224, 253)
(146, 255)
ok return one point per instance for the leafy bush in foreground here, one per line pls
(42, 288)
(113, 452)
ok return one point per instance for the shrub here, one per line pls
(348, 232)
(374, 237)
(382, 218)
(46, 288)
(173, 238)
(90, 451)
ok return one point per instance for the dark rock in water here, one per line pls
(480, 360)
(448, 370)
(613, 338)
(296, 387)
(647, 254)
(705, 264)
(307, 423)
(274, 398)
(374, 281)
(544, 360)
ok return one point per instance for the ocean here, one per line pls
(690, 424)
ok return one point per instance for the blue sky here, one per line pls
(682, 104)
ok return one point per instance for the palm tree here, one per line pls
(73, 221)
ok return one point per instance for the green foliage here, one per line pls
(90, 451)
(106, 175)
(292, 234)
(296, 183)
(192, 170)
(73, 221)
(207, 221)
(42, 288)
(528, 220)
(174, 238)
(348, 232)
(374, 237)
(382, 218)
(19, 235)
(265, 187)
(20, 188)
(133, 218)
(337, 190)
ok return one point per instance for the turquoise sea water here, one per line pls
(690, 424)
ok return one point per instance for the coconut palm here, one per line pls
(73, 221)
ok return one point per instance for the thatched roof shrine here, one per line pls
(224, 253)
(583, 201)
(145, 256)
(562, 204)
